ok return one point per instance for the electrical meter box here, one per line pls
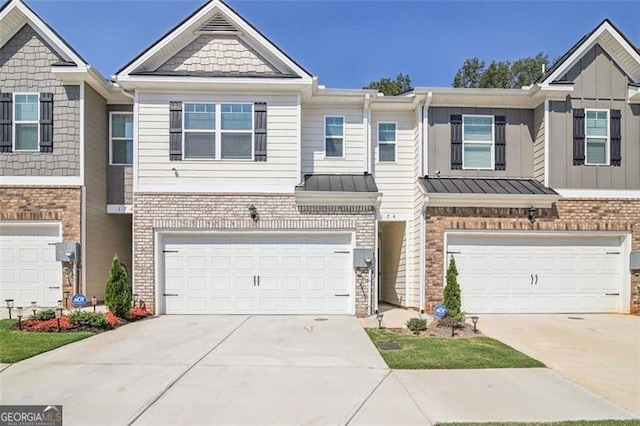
(363, 258)
(634, 260)
(67, 252)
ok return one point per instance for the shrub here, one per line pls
(452, 293)
(417, 325)
(137, 313)
(47, 325)
(113, 320)
(117, 295)
(45, 314)
(89, 319)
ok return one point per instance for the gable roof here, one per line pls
(213, 16)
(612, 40)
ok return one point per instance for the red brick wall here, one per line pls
(565, 215)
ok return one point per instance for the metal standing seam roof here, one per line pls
(339, 183)
(485, 186)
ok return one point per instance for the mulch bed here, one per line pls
(440, 328)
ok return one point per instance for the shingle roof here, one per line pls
(339, 183)
(485, 186)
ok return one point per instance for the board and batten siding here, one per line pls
(538, 143)
(313, 158)
(107, 234)
(278, 174)
(519, 142)
(395, 180)
(598, 83)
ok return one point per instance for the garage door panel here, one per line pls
(221, 283)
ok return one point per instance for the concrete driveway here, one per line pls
(600, 352)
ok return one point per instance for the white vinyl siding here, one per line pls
(597, 137)
(477, 142)
(279, 173)
(121, 138)
(26, 120)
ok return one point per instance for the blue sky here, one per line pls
(349, 43)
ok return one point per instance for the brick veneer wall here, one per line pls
(566, 215)
(46, 204)
(230, 211)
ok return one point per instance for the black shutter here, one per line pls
(456, 142)
(6, 115)
(260, 131)
(500, 122)
(46, 122)
(616, 138)
(578, 136)
(175, 131)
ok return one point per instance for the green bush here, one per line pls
(88, 319)
(452, 293)
(45, 315)
(117, 294)
(417, 325)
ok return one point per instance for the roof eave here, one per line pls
(490, 200)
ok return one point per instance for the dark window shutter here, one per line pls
(578, 136)
(456, 142)
(260, 131)
(500, 122)
(6, 115)
(175, 131)
(616, 137)
(46, 122)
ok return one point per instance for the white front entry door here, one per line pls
(28, 268)
(257, 274)
(538, 274)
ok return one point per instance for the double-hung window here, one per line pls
(334, 136)
(26, 120)
(387, 140)
(121, 138)
(477, 142)
(218, 131)
(597, 137)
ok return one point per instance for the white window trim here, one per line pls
(607, 147)
(324, 139)
(112, 138)
(394, 143)
(14, 124)
(493, 142)
(218, 131)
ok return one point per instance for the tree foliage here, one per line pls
(452, 293)
(392, 87)
(501, 74)
(117, 293)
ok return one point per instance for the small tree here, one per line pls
(452, 293)
(117, 294)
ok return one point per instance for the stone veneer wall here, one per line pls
(230, 211)
(566, 215)
(46, 203)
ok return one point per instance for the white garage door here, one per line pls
(28, 268)
(537, 274)
(257, 274)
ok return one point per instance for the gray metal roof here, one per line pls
(339, 183)
(485, 186)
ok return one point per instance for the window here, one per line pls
(386, 142)
(597, 137)
(477, 142)
(334, 136)
(218, 131)
(26, 121)
(121, 138)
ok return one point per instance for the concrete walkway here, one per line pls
(277, 370)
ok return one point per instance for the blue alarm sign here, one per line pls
(78, 300)
(440, 311)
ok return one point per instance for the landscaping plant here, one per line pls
(452, 293)
(117, 295)
(416, 325)
(45, 314)
(89, 319)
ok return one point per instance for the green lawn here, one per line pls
(18, 345)
(572, 423)
(445, 353)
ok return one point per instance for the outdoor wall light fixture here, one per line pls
(531, 215)
(135, 299)
(475, 324)
(19, 315)
(379, 317)
(94, 302)
(60, 304)
(58, 316)
(65, 295)
(9, 303)
(253, 211)
(34, 307)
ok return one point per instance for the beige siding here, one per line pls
(313, 158)
(395, 180)
(279, 171)
(106, 234)
(394, 263)
(538, 143)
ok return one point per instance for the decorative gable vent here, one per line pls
(217, 24)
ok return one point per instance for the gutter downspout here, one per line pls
(424, 135)
(366, 124)
(423, 238)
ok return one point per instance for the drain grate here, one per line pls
(389, 346)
